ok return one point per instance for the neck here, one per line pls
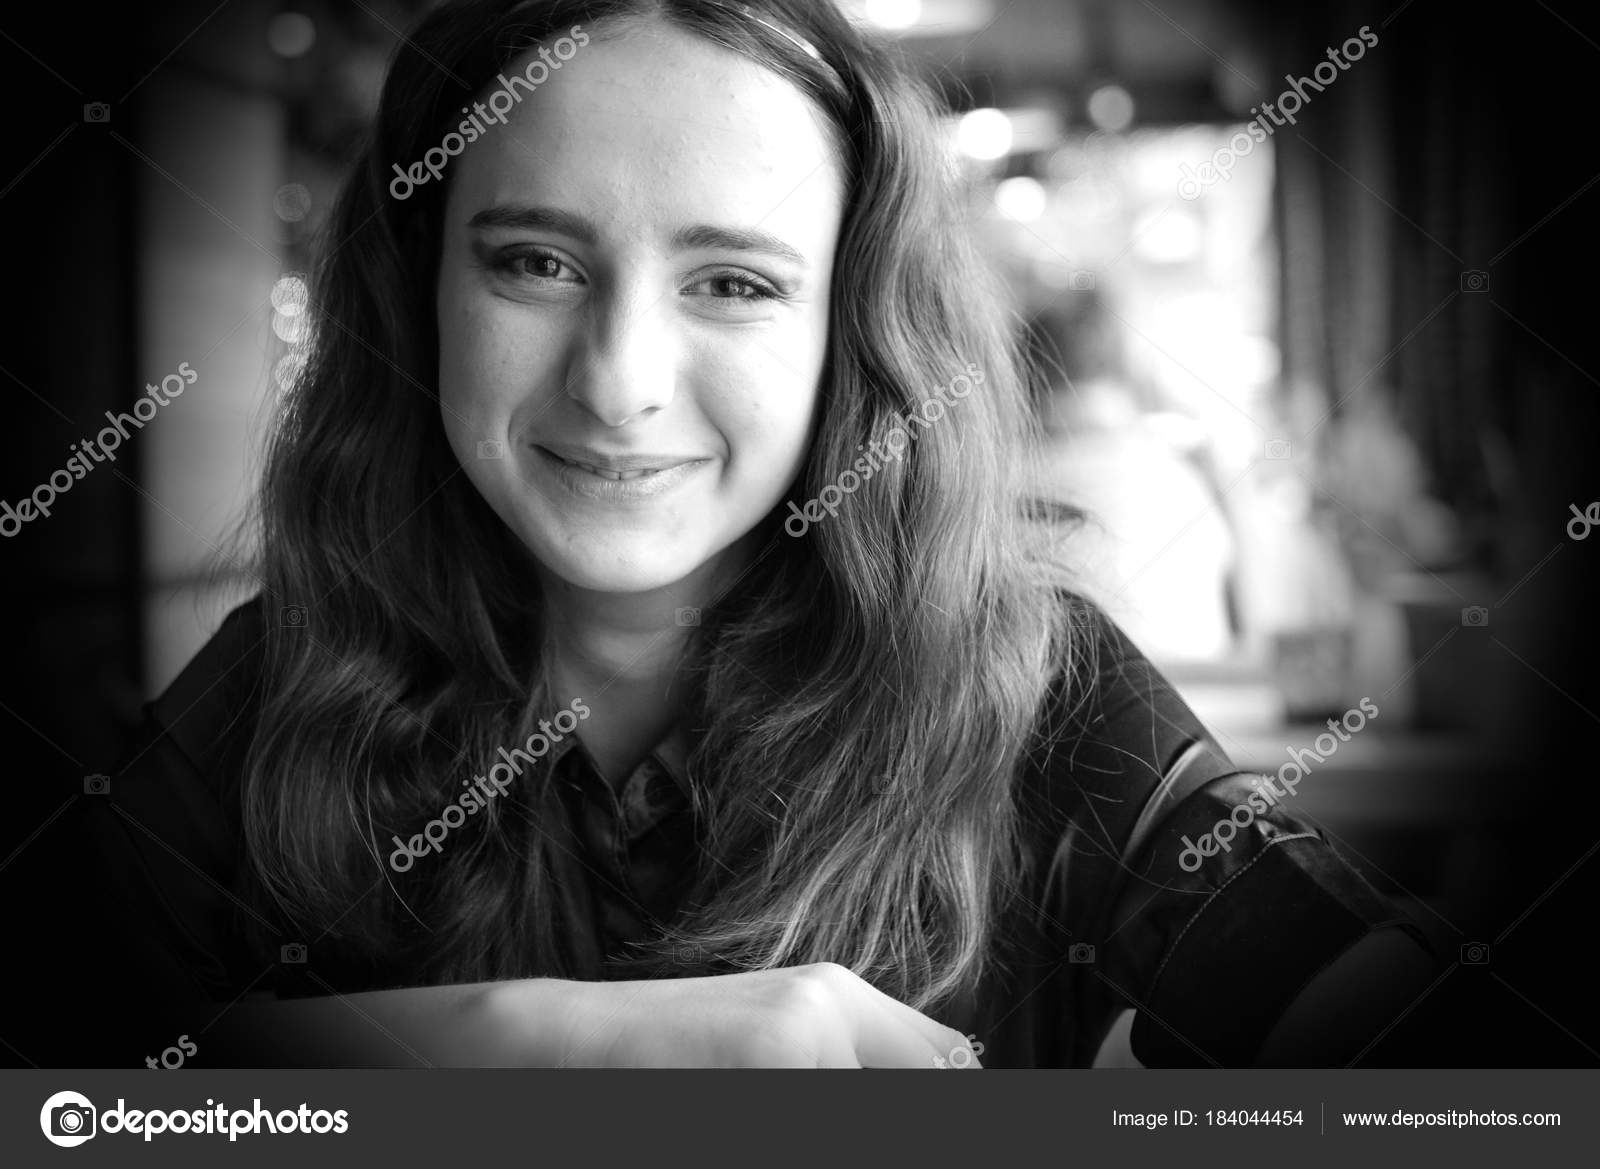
(630, 642)
(613, 641)
(621, 653)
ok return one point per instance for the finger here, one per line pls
(836, 1051)
(890, 1034)
(946, 1043)
(884, 1041)
(801, 1047)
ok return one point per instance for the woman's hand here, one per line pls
(819, 1015)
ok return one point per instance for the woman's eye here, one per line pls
(535, 265)
(736, 286)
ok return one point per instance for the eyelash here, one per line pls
(760, 289)
(507, 264)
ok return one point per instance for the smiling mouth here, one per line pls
(621, 476)
(618, 468)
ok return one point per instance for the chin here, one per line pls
(605, 570)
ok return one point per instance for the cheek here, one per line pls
(489, 364)
(766, 414)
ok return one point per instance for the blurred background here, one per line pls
(1310, 285)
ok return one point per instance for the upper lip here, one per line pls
(615, 462)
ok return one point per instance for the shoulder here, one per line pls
(1177, 877)
(207, 710)
(179, 773)
(163, 841)
(1114, 744)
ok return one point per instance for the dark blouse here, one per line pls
(1105, 919)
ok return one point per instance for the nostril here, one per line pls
(617, 387)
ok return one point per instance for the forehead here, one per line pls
(649, 122)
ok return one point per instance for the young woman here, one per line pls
(658, 659)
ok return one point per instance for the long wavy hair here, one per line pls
(862, 699)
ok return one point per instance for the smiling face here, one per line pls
(633, 306)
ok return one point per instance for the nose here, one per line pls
(624, 366)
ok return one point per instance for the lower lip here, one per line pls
(588, 485)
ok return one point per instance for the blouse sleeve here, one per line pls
(1207, 944)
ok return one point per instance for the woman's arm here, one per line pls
(1346, 1008)
(460, 1025)
(819, 1015)
(423, 1026)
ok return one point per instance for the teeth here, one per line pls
(619, 476)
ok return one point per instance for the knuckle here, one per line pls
(810, 992)
(809, 997)
(823, 980)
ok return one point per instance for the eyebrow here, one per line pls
(701, 235)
